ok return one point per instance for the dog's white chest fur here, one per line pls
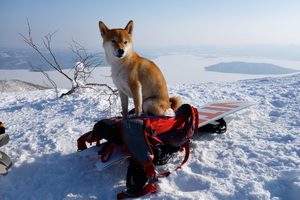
(120, 79)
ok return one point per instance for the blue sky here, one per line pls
(158, 23)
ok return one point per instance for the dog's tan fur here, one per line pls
(135, 76)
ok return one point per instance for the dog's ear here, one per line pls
(103, 29)
(129, 27)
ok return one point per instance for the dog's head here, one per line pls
(117, 43)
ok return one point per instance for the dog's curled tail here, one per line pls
(175, 102)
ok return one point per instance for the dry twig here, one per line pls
(82, 71)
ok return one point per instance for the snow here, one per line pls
(79, 67)
(257, 158)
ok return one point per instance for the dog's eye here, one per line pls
(125, 42)
(114, 41)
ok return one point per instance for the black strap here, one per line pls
(219, 126)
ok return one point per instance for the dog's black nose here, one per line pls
(121, 51)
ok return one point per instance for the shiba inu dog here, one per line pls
(135, 76)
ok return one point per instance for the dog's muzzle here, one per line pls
(120, 53)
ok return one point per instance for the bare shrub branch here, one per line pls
(53, 84)
(85, 64)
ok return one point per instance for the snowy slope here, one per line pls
(258, 157)
(18, 86)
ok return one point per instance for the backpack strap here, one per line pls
(137, 144)
(106, 151)
(187, 153)
(150, 188)
(87, 137)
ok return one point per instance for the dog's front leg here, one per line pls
(136, 91)
(124, 102)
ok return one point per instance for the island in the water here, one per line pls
(249, 68)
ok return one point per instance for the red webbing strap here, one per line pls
(87, 137)
(105, 146)
(187, 153)
(163, 174)
(106, 152)
(81, 142)
(150, 188)
(149, 169)
(155, 139)
(196, 120)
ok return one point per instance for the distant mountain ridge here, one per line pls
(249, 68)
(18, 59)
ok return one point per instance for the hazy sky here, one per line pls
(157, 22)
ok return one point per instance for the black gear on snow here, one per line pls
(136, 178)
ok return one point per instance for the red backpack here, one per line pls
(144, 138)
